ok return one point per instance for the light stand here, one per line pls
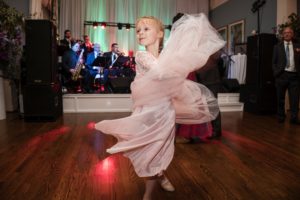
(256, 8)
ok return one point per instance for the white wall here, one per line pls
(192, 6)
(284, 9)
(216, 3)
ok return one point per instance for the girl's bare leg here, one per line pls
(150, 184)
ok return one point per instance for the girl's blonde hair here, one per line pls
(159, 26)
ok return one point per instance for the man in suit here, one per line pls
(112, 58)
(286, 71)
(67, 41)
(96, 71)
(70, 60)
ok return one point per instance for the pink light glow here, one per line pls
(53, 134)
(130, 53)
(104, 170)
(91, 125)
(34, 142)
(44, 138)
(105, 167)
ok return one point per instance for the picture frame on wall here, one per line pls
(223, 32)
(236, 34)
(240, 48)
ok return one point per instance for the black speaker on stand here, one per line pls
(42, 90)
(259, 93)
(42, 102)
(120, 84)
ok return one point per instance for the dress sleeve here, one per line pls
(192, 41)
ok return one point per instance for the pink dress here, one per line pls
(189, 131)
(161, 95)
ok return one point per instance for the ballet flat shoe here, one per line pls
(167, 185)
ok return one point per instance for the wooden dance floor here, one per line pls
(256, 159)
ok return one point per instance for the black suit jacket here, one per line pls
(117, 63)
(279, 58)
(65, 42)
(69, 60)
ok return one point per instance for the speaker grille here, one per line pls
(41, 52)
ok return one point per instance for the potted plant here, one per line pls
(11, 25)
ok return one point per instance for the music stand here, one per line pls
(100, 61)
(122, 59)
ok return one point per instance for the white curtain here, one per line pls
(42, 9)
(74, 13)
(36, 9)
(72, 17)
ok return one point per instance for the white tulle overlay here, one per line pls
(161, 95)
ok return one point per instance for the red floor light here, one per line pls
(91, 125)
(104, 171)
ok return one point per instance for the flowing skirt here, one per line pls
(146, 137)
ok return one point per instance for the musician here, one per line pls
(65, 44)
(96, 69)
(70, 60)
(112, 60)
(67, 41)
(87, 45)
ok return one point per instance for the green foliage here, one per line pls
(293, 22)
(11, 25)
(9, 17)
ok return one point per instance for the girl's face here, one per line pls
(147, 32)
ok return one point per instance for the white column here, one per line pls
(10, 94)
(284, 9)
(216, 3)
(2, 99)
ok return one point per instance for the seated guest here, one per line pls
(96, 71)
(209, 75)
(70, 62)
(112, 58)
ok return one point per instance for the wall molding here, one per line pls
(94, 103)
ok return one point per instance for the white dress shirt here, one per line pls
(291, 67)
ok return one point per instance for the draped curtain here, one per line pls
(72, 17)
(73, 13)
(38, 9)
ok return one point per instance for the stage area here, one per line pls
(92, 103)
